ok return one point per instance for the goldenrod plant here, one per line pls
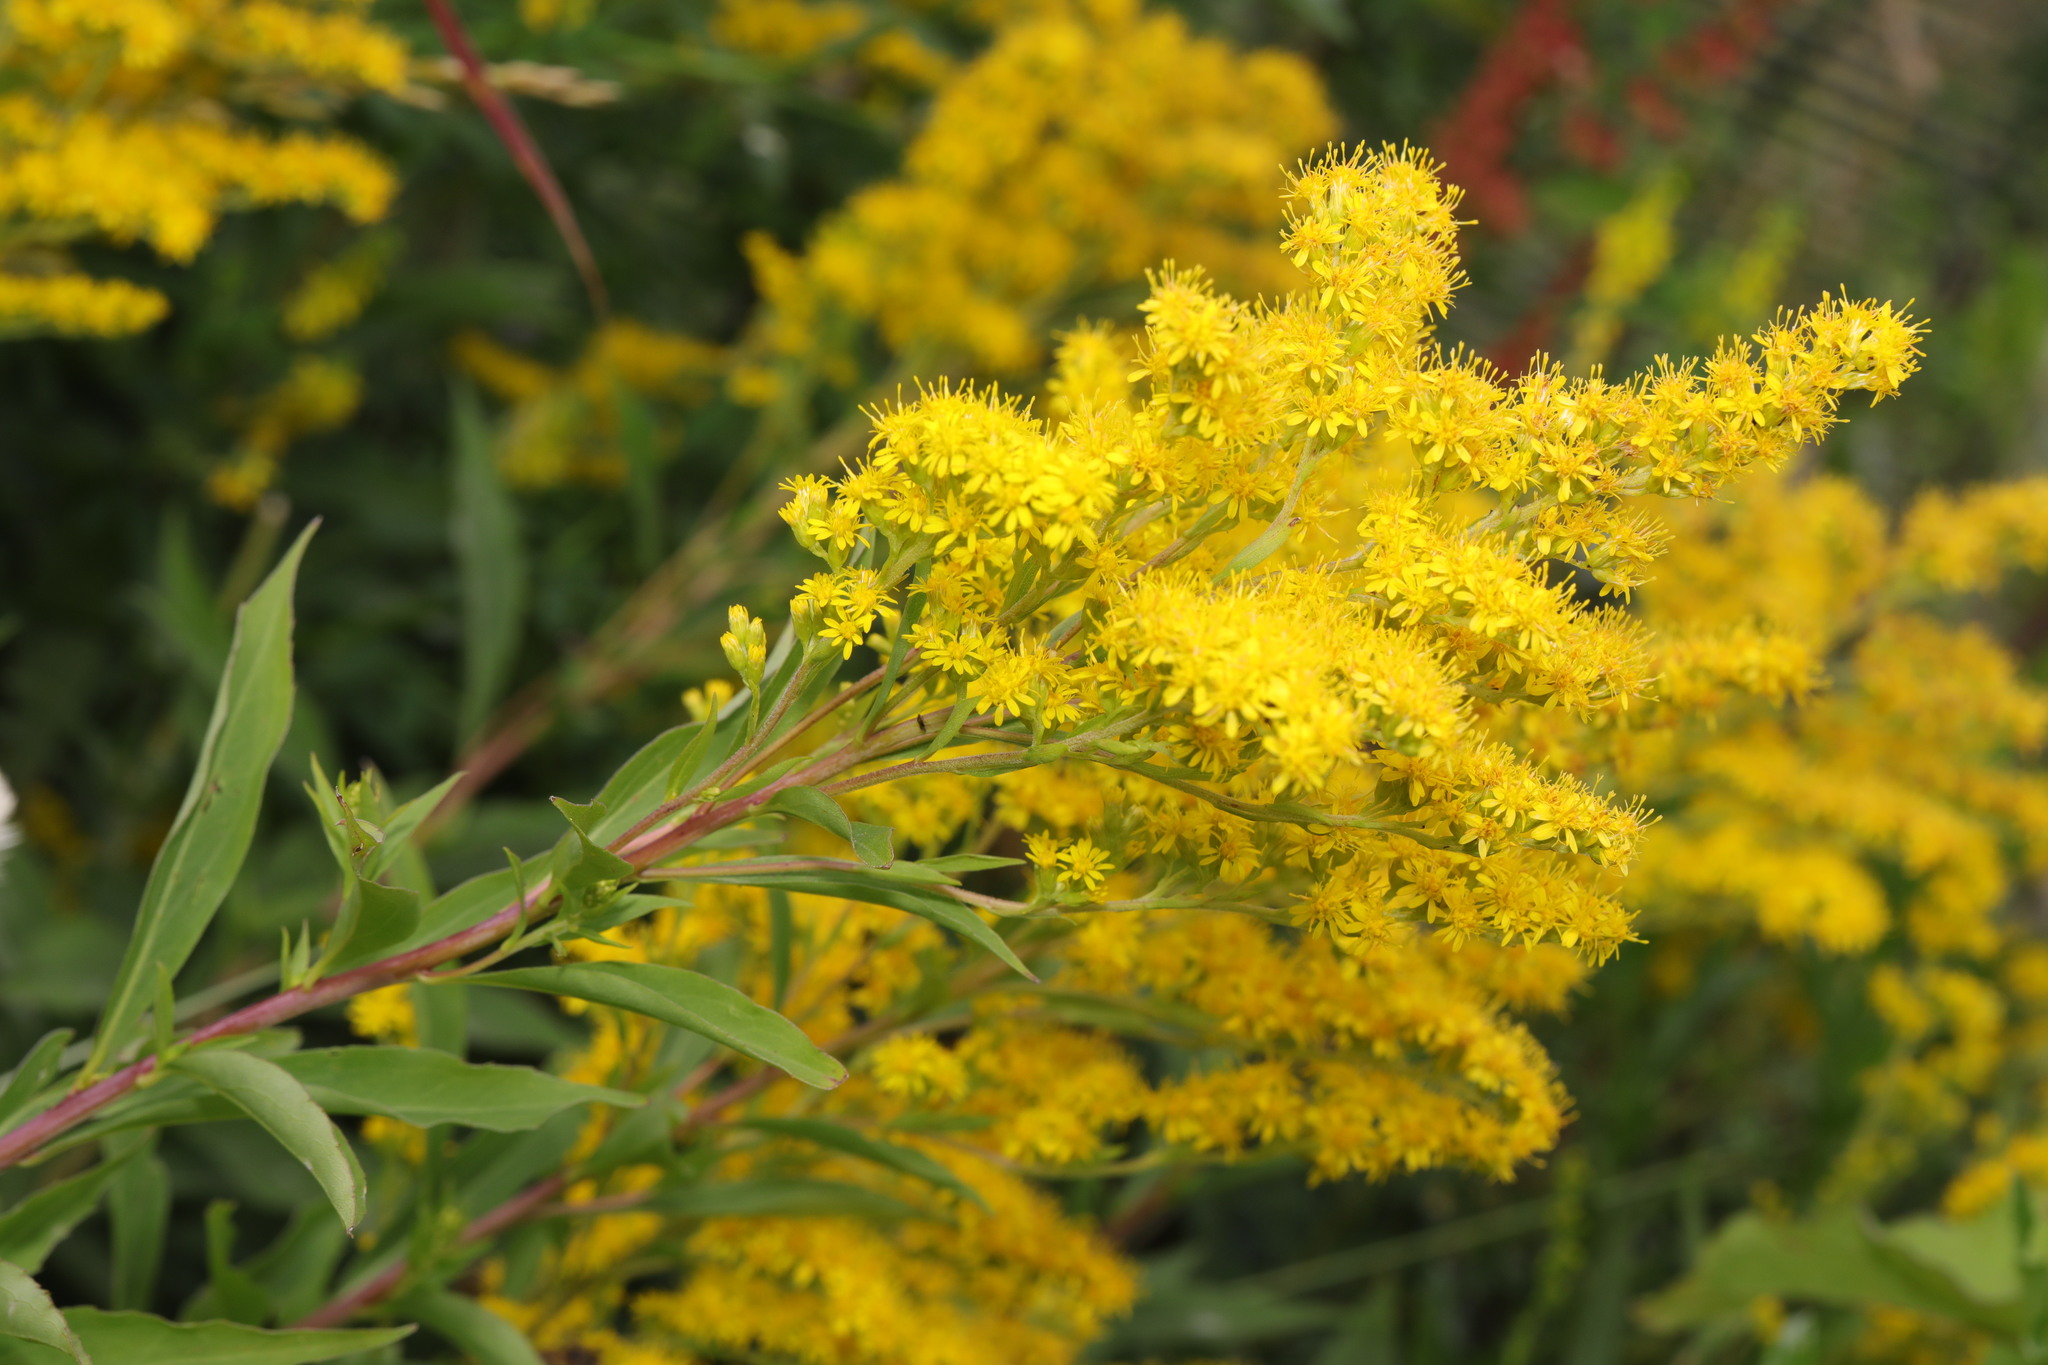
(144, 121)
(1248, 655)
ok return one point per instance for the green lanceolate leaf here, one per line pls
(33, 1227)
(643, 486)
(780, 1199)
(140, 1339)
(781, 932)
(211, 834)
(424, 1087)
(710, 746)
(895, 1156)
(874, 845)
(138, 1216)
(585, 874)
(461, 907)
(898, 893)
(272, 1096)
(33, 1074)
(27, 1314)
(441, 1010)
(687, 1000)
(374, 919)
(231, 1292)
(584, 818)
(638, 786)
(1832, 1257)
(404, 822)
(473, 1329)
(490, 562)
(954, 864)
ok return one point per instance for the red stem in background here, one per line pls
(526, 154)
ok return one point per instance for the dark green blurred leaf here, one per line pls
(139, 1339)
(31, 1228)
(894, 1155)
(138, 1215)
(780, 1199)
(491, 563)
(482, 1335)
(32, 1073)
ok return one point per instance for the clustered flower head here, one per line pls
(1889, 816)
(129, 120)
(1269, 661)
(1220, 596)
(1088, 141)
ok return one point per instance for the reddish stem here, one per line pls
(372, 1291)
(526, 154)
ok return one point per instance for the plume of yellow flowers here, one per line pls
(142, 121)
(1249, 690)
(1891, 813)
(1009, 203)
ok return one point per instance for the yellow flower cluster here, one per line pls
(1087, 142)
(114, 126)
(1893, 811)
(318, 393)
(565, 423)
(1264, 668)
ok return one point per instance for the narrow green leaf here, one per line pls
(578, 866)
(950, 730)
(687, 1000)
(874, 845)
(893, 1155)
(899, 650)
(808, 803)
(627, 908)
(404, 822)
(214, 826)
(385, 916)
(780, 1199)
(272, 1096)
(33, 1073)
(461, 907)
(229, 1290)
(584, 818)
(424, 1087)
(27, 1314)
(781, 929)
(643, 487)
(690, 761)
(33, 1227)
(638, 786)
(442, 1010)
(138, 1214)
(140, 1339)
(1279, 529)
(853, 885)
(470, 1327)
(490, 563)
(1829, 1258)
(954, 864)
(296, 1269)
(163, 1014)
(332, 818)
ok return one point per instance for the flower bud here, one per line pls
(745, 646)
